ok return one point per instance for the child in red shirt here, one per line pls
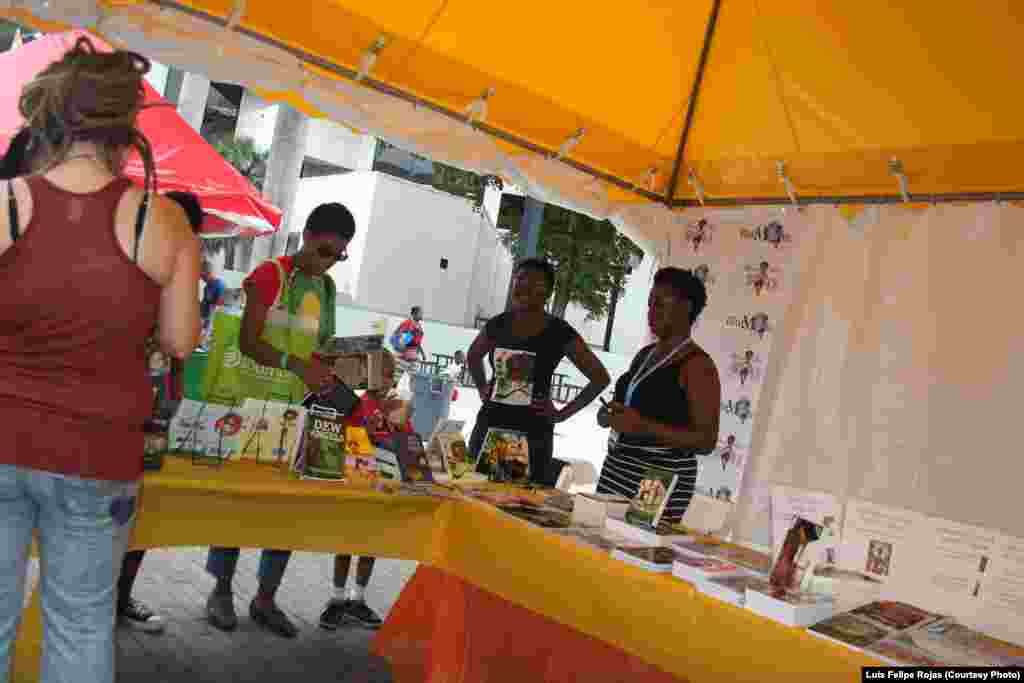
(374, 412)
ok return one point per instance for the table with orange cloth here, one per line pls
(495, 598)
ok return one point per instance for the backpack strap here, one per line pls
(282, 279)
(12, 212)
(140, 224)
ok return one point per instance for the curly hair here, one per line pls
(87, 96)
(687, 285)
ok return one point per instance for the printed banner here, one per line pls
(747, 268)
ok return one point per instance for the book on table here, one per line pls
(324, 445)
(946, 642)
(697, 569)
(868, 624)
(505, 455)
(644, 519)
(651, 558)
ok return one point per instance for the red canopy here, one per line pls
(184, 160)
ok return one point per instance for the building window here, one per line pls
(402, 164)
(315, 168)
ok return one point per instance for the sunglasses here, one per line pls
(328, 254)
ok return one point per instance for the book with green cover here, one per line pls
(648, 505)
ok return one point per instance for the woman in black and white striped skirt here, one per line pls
(667, 404)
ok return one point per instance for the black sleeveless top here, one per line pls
(659, 396)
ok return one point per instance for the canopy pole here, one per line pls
(691, 107)
(939, 198)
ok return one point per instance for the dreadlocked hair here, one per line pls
(87, 96)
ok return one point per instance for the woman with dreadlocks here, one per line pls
(90, 265)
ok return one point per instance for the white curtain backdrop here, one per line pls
(895, 370)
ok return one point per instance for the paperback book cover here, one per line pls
(694, 569)
(412, 457)
(868, 624)
(535, 514)
(205, 430)
(388, 467)
(648, 506)
(595, 538)
(651, 558)
(325, 445)
(849, 630)
(270, 431)
(747, 558)
(947, 642)
(340, 346)
(505, 455)
(513, 377)
(440, 449)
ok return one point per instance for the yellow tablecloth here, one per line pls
(658, 618)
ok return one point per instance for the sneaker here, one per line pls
(335, 614)
(273, 619)
(220, 611)
(136, 615)
(360, 611)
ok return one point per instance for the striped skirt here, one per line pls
(625, 466)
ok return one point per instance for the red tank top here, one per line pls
(74, 317)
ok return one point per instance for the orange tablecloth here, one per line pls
(497, 600)
(446, 630)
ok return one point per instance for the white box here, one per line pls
(592, 509)
(641, 536)
(792, 608)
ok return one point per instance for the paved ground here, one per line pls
(174, 583)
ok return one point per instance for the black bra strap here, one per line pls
(140, 223)
(12, 211)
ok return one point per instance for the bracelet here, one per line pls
(284, 360)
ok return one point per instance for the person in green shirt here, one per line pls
(289, 313)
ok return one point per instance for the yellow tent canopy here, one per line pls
(601, 105)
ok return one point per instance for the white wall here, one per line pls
(413, 227)
(335, 144)
(325, 140)
(356, 191)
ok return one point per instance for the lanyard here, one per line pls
(643, 372)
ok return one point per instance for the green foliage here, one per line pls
(245, 156)
(592, 258)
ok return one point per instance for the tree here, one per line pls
(245, 156)
(592, 258)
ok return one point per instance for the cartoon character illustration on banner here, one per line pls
(746, 367)
(729, 452)
(704, 274)
(773, 233)
(699, 233)
(759, 324)
(740, 409)
(763, 277)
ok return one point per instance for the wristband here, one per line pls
(284, 360)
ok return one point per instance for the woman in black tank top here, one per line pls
(667, 404)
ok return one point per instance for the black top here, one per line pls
(659, 396)
(549, 348)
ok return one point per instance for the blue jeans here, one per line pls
(221, 563)
(84, 526)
